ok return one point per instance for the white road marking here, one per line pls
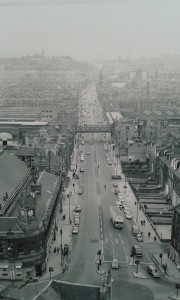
(122, 242)
(113, 250)
(101, 236)
(116, 241)
(102, 242)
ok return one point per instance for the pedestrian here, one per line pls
(141, 223)
(155, 239)
(135, 203)
(58, 250)
(149, 234)
(144, 222)
(54, 250)
(168, 254)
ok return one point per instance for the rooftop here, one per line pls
(12, 172)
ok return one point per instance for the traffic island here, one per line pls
(139, 275)
(101, 272)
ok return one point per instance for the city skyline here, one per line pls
(87, 31)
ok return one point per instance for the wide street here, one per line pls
(96, 231)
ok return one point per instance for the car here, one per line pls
(103, 139)
(79, 191)
(109, 162)
(78, 208)
(76, 221)
(88, 153)
(118, 203)
(75, 229)
(82, 158)
(120, 196)
(153, 271)
(126, 210)
(128, 215)
(136, 251)
(82, 142)
(115, 184)
(115, 264)
(76, 214)
(81, 169)
(139, 237)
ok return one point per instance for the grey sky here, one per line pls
(88, 31)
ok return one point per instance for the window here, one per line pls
(32, 246)
(4, 274)
(4, 270)
(1, 248)
(20, 248)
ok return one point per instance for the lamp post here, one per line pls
(61, 246)
(69, 196)
(137, 212)
(125, 186)
(10, 254)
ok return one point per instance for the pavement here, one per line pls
(55, 261)
(148, 230)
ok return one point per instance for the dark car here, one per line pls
(136, 251)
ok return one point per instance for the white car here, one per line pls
(78, 208)
(139, 237)
(88, 153)
(75, 230)
(115, 264)
(128, 215)
(126, 210)
(120, 196)
(109, 162)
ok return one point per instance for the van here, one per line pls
(136, 251)
(116, 176)
(153, 271)
(135, 229)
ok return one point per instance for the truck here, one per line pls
(116, 218)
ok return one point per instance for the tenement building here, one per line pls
(28, 200)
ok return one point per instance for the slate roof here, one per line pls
(31, 151)
(12, 171)
(7, 223)
(48, 182)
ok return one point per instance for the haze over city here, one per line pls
(103, 30)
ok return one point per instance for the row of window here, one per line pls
(21, 247)
(46, 116)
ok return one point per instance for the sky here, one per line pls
(91, 30)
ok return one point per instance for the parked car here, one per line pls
(109, 162)
(88, 153)
(119, 204)
(115, 184)
(115, 264)
(76, 221)
(75, 229)
(78, 208)
(128, 215)
(116, 176)
(79, 191)
(139, 237)
(81, 169)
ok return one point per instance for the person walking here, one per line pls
(149, 234)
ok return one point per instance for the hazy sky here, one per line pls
(87, 31)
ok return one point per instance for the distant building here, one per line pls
(175, 241)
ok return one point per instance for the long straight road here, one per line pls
(97, 232)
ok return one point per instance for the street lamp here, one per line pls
(61, 246)
(69, 196)
(10, 254)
